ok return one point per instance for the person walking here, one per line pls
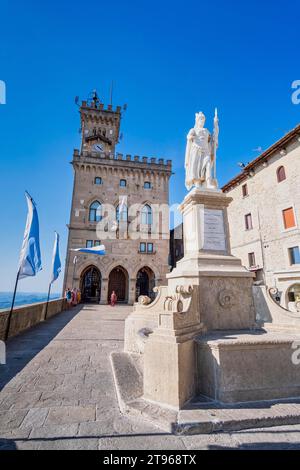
(113, 299)
(74, 296)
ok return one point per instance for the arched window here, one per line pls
(294, 293)
(146, 215)
(98, 180)
(121, 216)
(95, 212)
(281, 174)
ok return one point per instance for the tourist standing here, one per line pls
(74, 296)
(68, 297)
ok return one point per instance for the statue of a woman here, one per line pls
(200, 155)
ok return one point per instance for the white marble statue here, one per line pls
(200, 155)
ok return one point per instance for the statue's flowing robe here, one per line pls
(197, 151)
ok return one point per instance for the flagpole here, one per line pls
(216, 137)
(30, 256)
(45, 317)
(11, 308)
(74, 262)
(215, 162)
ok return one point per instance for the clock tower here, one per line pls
(130, 187)
(99, 126)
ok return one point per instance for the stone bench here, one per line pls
(26, 316)
(247, 366)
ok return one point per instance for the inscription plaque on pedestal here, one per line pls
(214, 231)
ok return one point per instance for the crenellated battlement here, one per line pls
(94, 105)
(100, 127)
(86, 155)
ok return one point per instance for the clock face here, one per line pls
(97, 148)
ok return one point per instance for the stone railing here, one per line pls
(271, 315)
(26, 316)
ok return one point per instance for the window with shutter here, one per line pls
(248, 222)
(281, 174)
(288, 218)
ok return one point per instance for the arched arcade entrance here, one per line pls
(90, 285)
(118, 281)
(145, 281)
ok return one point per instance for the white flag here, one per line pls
(30, 257)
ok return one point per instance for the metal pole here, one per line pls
(11, 309)
(264, 268)
(74, 262)
(216, 137)
(45, 317)
(111, 92)
(215, 162)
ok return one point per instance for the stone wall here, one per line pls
(26, 316)
(125, 250)
(266, 199)
(247, 367)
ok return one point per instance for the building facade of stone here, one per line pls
(176, 245)
(121, 202)
(264, 218)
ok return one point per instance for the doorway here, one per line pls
(145, 281)
(90, 285)
(118, 282)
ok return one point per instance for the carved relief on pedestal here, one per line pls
(153, 305)
(226, 298)
(179, 302)
(181, 308)
(144, 300)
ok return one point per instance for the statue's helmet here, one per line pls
(199, 119)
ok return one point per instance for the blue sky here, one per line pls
(168, 59)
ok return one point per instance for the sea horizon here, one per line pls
(24, 298)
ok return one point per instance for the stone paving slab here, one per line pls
(54, 431)
(11, 419)
(71, 414)
(57, 392)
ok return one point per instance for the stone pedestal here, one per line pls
(224, 284)
(208, 290)
(169, 368)
(198, 340)
(197, 337)
(170, 353)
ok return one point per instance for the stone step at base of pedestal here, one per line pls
(201, 415)
(128, 378)
(219, 417)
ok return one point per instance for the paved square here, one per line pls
(57, 392)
